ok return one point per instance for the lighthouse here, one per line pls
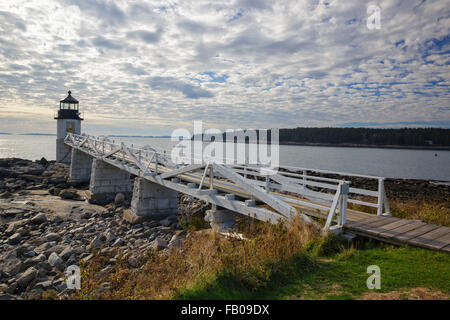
(68, 120)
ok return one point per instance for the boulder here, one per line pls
(52, 236)
(15, 238)
(57, 180)
(159, 244)
(119, 199)
(39, 218)
(55, 260)
(27, 277)
(7, 173)
(43, 162)
(67, 194)
(132, 262)
(66, 253)
(44, 285)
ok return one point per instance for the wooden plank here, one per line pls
(430, 239)
(445, 239)
(403, 229)
(382, 221)
(359, 223)
(393, 229)
(371, 223)
(446, 248)
(397, 224)
(376, 227)
(415, 233)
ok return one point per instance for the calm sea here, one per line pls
(392, 163)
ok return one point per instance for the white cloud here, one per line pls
(135, 66)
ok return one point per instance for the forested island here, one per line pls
(426, 138)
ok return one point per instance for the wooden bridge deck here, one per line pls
(399, 231)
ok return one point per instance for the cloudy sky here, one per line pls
(149, 67)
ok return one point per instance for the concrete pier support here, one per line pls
(107, 181)
(221, 220)
(80, 166)
(153, 200)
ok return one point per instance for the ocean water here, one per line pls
(391, 163)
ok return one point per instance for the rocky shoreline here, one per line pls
(46, 225)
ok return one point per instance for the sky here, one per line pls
(147, 68)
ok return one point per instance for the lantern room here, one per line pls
(68, 108)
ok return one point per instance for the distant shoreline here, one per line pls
(349, 145)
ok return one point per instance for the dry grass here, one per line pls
(205, 257)
(437, 213)
(413, 294)
(433, 212)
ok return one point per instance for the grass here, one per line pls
(341, 275)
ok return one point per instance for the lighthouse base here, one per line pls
(63, 151)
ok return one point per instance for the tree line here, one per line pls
(368, 136)
(356, 136)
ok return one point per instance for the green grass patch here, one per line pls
(330, 270)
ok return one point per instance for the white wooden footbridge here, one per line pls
(246, 190)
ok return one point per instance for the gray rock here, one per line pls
(7, 296)
(72, 260)
(96, 243)
(57, 219)
(30, 254)
(55, 260)
(67, 194)
(165, 222)
(57, 180)
(85, 215)
(159, 244)
(52, 236)
(23, 231)
(15, 238)
(66, 253)
(132, 262)
(11, 229)
(119, 199)
(44, 285)
(27, 277)
(11, 264)
(178, 243)
(87, 258)
(110, 237)
(56, 191)
(39, 219)
(119, 242)
(39, 258)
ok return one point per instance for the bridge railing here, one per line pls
(376, 198)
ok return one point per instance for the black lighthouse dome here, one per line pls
(69, 108)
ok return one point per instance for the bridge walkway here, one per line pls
(279, 197)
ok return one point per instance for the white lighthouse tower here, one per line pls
(69, 120)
